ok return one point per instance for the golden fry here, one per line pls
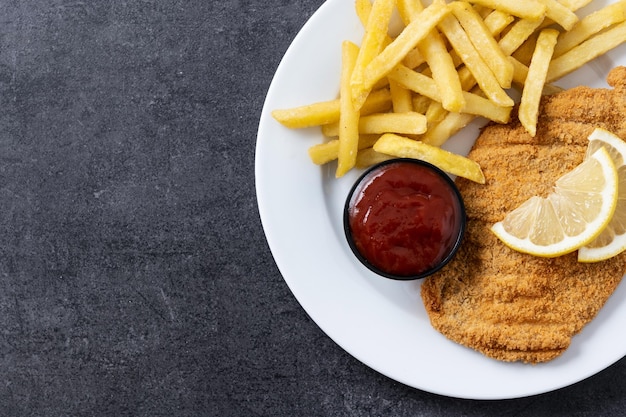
(307, 116)
(497, 20)
(410, 123)
(327, 112)
(421, 103)
(363, 10)
(393, 54)
(409, 8)
(446, 128)
(434, 50)
(472, 103)
(560, 14)
(373, 40)
(525, 9)
(401, 97)
(520, 72)
(368, 157)
(461, 43)
(415, 81)
(330, 130)
(326, 152)
(454, 164)
(479, 106)
(349, 116)
(525, 52)
(586, 51)
(413, 59)
(533, 86)
(406, 96)
(377, 101)
(435, 113)
(574, 5)
(590, 25)
(484, 42)
(517, 35)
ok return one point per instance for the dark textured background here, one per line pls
(135, 278)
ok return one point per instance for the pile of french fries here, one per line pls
(404, 96)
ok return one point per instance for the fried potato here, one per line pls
(393, 54)
(368, 157)
(327, 112)
(422, 73)
(349, 116)
(472, 103)
(409, 123)
(446, 128)
(363, 9)
(443, 70)
(526, 9)
(520, 74)
(309, 115)
(484, 42)
(496, 21)
(590, 25)
(401, 97)
(435, 113)
(449, 162)
(592, 48)
(373, 41)
(517, 35)
(323, 153)
(421, 103)
(415, 81)
(408, 8)
(560, 14)
(574, 5)
(461, 43)
(535, 80)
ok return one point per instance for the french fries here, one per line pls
(590, 25)
(348, 116)
(526, 9)
(404, 94)
(484, 42)
(586, 51)
(373, 42)
(402, 147)
(536, 79)
(473, 61)
(408, 39)
(560, 14)
(434, 51)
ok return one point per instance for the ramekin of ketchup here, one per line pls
(404, 219)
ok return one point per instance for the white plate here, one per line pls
(382, 322)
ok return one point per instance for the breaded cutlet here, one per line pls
(508, 305)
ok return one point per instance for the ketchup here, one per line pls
(405, 218)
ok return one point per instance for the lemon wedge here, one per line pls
(612, 240)
(580, 206)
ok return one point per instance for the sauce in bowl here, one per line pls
(404, 219)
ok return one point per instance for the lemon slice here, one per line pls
(612, 240)
(581, 205)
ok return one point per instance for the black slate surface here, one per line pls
(135, 279)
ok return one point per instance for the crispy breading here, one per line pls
(508, 305)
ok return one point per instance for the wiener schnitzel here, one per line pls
(508, 305)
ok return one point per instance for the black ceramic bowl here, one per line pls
(404, 219)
